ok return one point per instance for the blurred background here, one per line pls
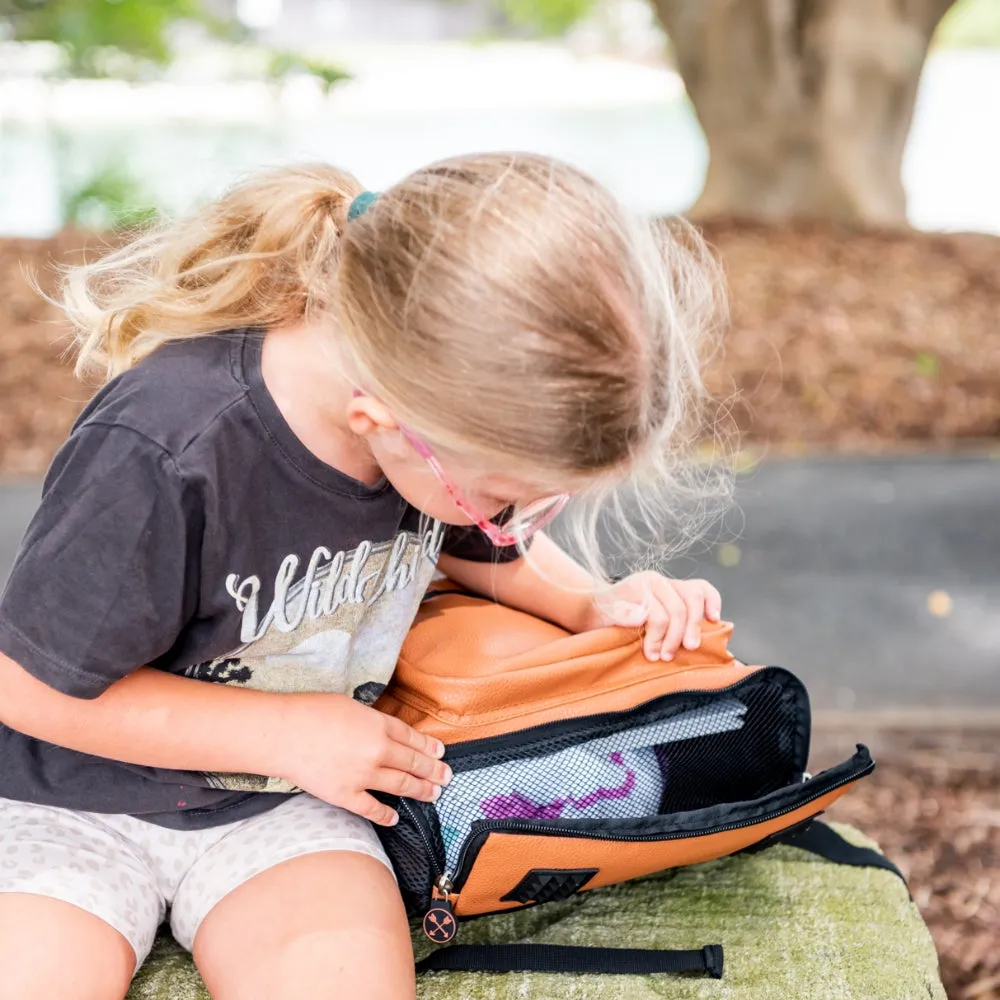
(843, 158)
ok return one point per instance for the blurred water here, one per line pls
(652, 155)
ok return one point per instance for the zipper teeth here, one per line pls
(461, 875)
(418, 823)
(595, 722)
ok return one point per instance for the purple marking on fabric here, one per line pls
(518, 806)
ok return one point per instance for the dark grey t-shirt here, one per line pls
(183, 525)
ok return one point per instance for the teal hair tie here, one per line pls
(361, 204)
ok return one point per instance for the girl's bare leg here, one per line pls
(325, 925)
(55, 950)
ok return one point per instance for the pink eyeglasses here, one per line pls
(530, 519)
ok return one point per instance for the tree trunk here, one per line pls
(806, 104)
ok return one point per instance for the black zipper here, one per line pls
(483, 828)
(421, 825)
(524, 740)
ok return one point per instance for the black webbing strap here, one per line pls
(565, 958)
(818, 838)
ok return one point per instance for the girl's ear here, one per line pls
(366, 415)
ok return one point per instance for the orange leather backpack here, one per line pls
(578, 763)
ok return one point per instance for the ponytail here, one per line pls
(252, 258)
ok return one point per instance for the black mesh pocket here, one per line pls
(679, 753)
(766, 753)
(415, 849)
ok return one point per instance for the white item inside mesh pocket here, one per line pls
(620, 776)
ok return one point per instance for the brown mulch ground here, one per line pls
(840, 340)
(933, 804)
(39, 397)
(860, 340)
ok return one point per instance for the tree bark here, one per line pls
(806, 104)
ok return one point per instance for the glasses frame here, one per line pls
(548, 507)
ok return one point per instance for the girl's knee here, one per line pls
(326, 964)
(58, 951)
(324, 925)
(366, 961)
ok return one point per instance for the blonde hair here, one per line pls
(503, 305)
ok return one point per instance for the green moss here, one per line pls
(792, 926)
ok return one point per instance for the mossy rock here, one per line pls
(792, 925)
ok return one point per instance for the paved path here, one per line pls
(838, 562)
(17, 503)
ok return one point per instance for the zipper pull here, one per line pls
(440, 924)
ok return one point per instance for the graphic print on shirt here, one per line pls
(335, 626)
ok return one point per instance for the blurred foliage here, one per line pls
(971, 24)
(282, 64)
(110, 198)
(106, 37)
(125, 38)
(548, 17)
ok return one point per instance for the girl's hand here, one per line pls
(336, 749)
(671, 610)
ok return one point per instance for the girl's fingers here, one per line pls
(713, 603)
(368, 807)
(402, 733)
(401, 783)
(657, 626)
(677, 610)
(695, 602)
(400, 758)
(665, 624)
(627, 614)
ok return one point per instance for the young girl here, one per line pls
(316, 397)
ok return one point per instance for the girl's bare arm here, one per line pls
(327, 744)
(155, 719)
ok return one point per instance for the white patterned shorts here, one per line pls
(129, 872)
